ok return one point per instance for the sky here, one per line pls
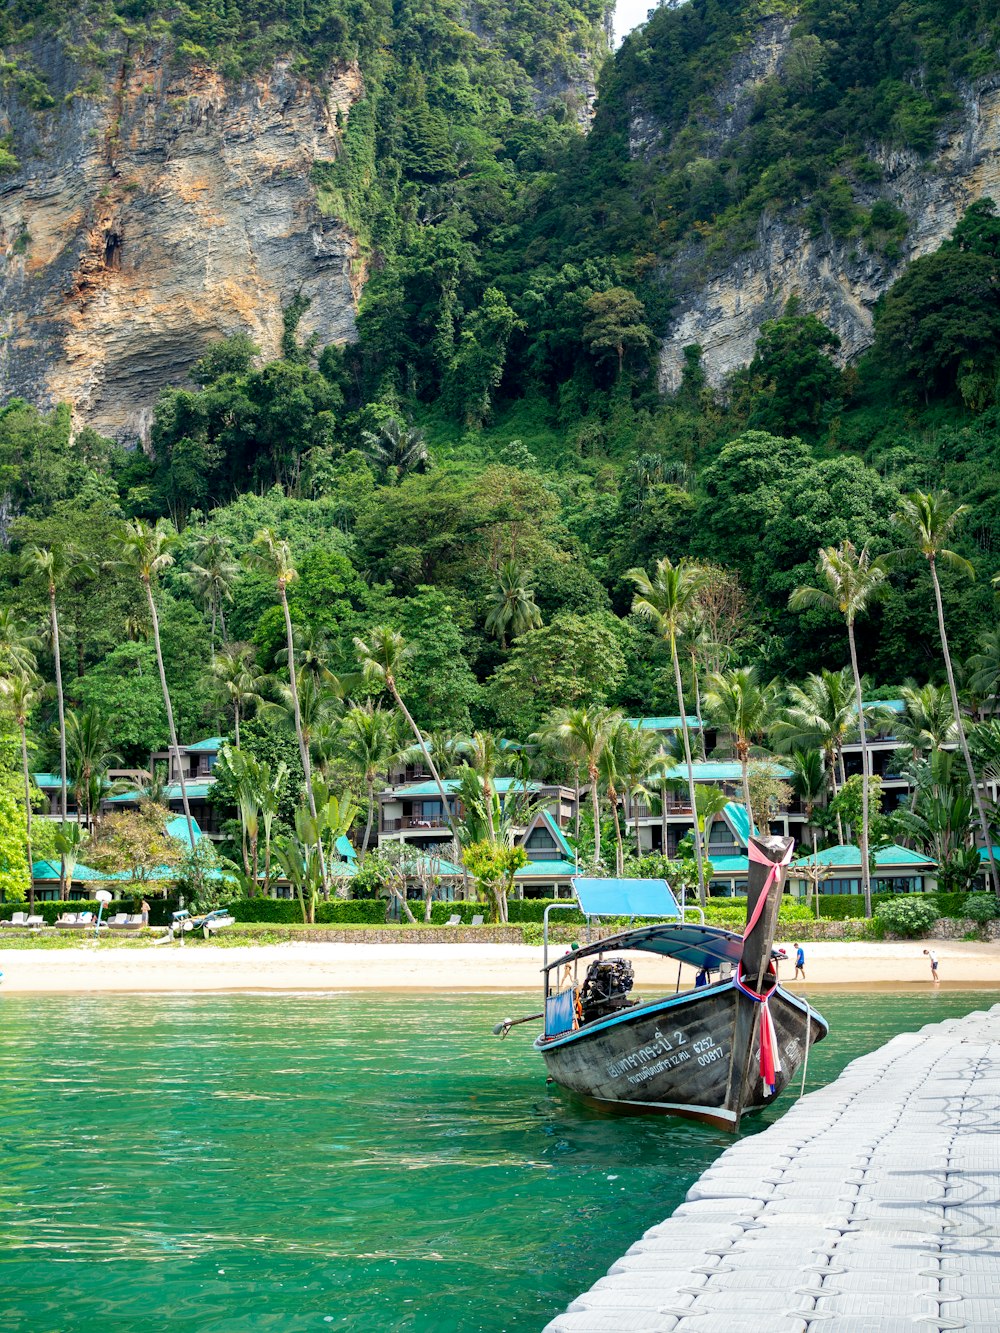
(629, 14)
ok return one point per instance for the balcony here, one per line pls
(640, 810)
(403, 822)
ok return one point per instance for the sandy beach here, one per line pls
(439, 967)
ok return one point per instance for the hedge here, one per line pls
(844, 906)
(159, 909)
(336, 912)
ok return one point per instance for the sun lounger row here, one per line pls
(23, 921)
(455, 920)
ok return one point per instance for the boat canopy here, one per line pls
(625, 897)
(703, 947)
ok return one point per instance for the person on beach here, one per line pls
(800, 962)
(929, 953)
(144, 909)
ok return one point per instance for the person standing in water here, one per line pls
(929, 953)
(800, 962)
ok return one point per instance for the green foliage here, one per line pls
(909, 916)
(355, 911)
(981, 907)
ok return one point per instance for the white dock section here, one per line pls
(873, 1204)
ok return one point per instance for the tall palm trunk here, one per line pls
(54, 620)
(697, 706)
(300, 735)
(390, 681)
(702, 896)
(963, 742)
(595, 802)
(619, 845)
(743, 750)
(155, 619)
(236, 721)
(664, 825)
(866, 879)
(370, 787)
(22, 727)
(831, 759)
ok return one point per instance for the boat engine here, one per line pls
(606, 988)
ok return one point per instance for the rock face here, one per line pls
(158, 216)
(722, 309)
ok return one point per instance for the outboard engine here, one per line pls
(606, 988)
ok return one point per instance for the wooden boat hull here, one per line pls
(675, 1055)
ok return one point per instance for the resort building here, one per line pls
(198, 765)
(838, 870)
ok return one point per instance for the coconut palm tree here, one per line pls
(586, 731)
(20, 689)
(17, 644)
(821, 713)
(238, 681)
(638, 759)
(984, 667)
(808, 782)
(853, 582)
(739, 704)
(382, 659)
(273, 555)
(396, 449)
(667, 599)
(695, 640)
(928, 521)
(88, 744)
(371, 742)
(709, 804)
(146, 552)
(928, 724)
(213, 573)
(50, 563)
(481, 751)
(614, 780)
(512, 609)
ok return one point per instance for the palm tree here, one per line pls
(709, 804)
(481, 752)
(808, 782)
(853, 581)
(586, 732)
(638, 759)
(821, 713)
(238, 681)
(88, 743)
(512, 608)
(371, 742)
(614, 781)
(51, 563)
(984, 666)
(17, 643)
(213, 573)
(739, 704)
(695, 639)
(382, 659)
(20, 688)
(273, 555)
(146, 551)
(396, 448)
(928, 723)
(928, 522)
(666, 600)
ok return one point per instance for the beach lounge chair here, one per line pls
(216, 921)
(453, 920)
(134, 922)
(476, 921)
(35, 922)
(119, 921)
(17, 919)
(68, 921)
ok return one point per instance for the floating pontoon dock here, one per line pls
(872, 1204)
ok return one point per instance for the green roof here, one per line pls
(451, 785)
(345, 848)
(196, 791)
(45, 780)
(561, 840)
(847, 856)
(736, 816)
(44, 871)
(984, 857)
(546, 870)
(211, 744)
(724, 771)
(177, 828)
(729, 865)
(671, 723)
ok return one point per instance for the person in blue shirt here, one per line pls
(800, 962)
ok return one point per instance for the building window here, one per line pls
(540, 838)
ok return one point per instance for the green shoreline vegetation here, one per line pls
(349, 556)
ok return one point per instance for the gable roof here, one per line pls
(848, 857)
(546, 870)
(729, 865)
(177, 828)
(45, 871)
(544, 817)
(668, 723)
(451, 785)
(209, 744)
(735, 815)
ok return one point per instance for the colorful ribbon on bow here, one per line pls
(770, 1058)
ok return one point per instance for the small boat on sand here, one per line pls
(714, 1052)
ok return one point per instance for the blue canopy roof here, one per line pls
(698, 946)
(625, 897)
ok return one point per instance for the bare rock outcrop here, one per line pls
(154, 217)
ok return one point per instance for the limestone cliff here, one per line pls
(165, 211)
(721, 305)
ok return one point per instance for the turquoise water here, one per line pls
(235, 1163)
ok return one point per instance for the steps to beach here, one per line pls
(872, 1204)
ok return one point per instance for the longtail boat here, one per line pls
(726, 1046)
